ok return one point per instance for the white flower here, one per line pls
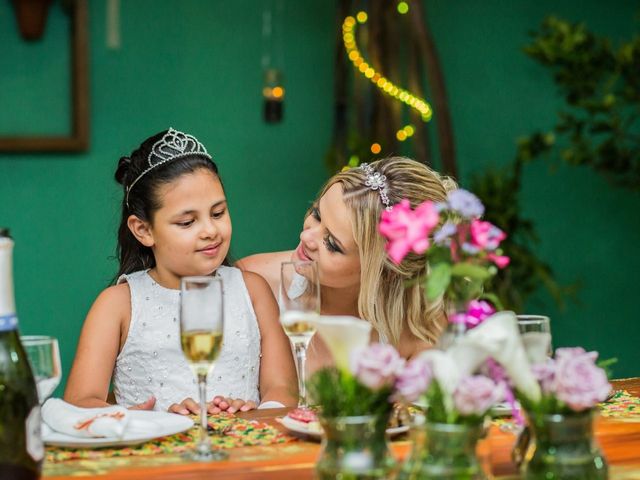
(498, 337)
(343, 335)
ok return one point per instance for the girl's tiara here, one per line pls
(376, 181)
(172, 145)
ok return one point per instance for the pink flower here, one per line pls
(476, 394)
(377, 365)
(501, 261)
(477, 312)
(579, 382)
(413, 380)
(408, 230)
(485, 235)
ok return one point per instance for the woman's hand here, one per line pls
(229, 405)
(185, 407)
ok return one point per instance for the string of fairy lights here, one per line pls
(378, 79)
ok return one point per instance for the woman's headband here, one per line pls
(376, 181)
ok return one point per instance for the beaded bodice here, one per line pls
(151, 361)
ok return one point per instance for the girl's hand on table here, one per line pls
(185, 407)
(146, 405)
(230, 405)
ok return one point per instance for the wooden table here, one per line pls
(620, 441)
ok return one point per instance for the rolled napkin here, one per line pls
(85, 422)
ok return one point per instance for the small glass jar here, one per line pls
(444, 451)
(355, 448)
(562, 446)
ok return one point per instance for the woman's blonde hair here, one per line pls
(390, 295)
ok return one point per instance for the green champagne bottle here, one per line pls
(21, 448)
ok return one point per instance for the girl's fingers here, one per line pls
(235, 405)
(217, 399)
(146, 405)
(248, 406)
(191, 405)
(179, 409)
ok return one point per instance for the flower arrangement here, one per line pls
(470, 399)
(463, 250)
(569, 382)
(363, 380)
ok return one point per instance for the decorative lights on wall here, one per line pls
(385, 85)
(273, 92)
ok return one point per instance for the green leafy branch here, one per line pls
(599, 125)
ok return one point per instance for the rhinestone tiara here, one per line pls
(377, 181)
(173, 144)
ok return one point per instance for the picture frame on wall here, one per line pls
(78, 139)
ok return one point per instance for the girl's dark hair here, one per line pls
(143, 198)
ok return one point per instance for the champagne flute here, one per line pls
(299, 307)
(535, 331)
(44, 357)
(201, 328)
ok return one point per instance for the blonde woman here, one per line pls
(357, 278)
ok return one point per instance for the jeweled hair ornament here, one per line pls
(171, 146)
(377, 181)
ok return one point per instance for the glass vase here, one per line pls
(444, 451)
(562, 446)
(355, 448)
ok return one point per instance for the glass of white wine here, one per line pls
(201, 328)
(299, 300)
(44, 357)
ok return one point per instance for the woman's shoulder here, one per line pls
(267, 265)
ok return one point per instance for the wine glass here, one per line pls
(201, 328)
(44, 357)
(299, 306)
(535, 331)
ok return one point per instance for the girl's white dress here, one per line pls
(151, 361)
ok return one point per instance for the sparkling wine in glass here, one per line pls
(201, 328)
(44, 357)
(299, 307)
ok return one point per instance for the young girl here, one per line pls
(175, 223)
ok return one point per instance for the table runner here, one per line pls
(622, 405)
(228, 431)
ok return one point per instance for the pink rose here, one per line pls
(580, 383)
(408, 230)
(413, 380)
(476, 394)
(377, 365)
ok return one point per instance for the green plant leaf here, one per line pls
(475, 272)
(438, 280)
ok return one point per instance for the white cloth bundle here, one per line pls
(85, 422)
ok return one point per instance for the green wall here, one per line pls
(195, 65)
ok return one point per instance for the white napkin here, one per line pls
(85, 422)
